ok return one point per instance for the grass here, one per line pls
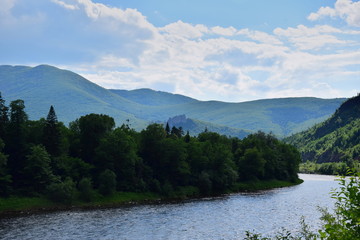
(24, 203)
(119, 198)
(19, 205)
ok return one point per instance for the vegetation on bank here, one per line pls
(329, 168)
(92, 158)
(341, 224)
(334, 145)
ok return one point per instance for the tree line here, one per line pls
(92, 155)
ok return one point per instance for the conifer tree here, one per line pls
(167, 129)
(4, 118)
(15, 146)
(51, 133)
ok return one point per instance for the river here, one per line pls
(226, 217)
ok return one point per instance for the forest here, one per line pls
(92, 156)
(333, 146)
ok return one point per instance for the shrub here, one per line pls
(63, 192)
(107, 182)
(85, 189)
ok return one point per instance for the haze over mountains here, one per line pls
(74, 96)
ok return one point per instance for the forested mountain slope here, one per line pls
(74, 96)
(336, 139)
(70, 94)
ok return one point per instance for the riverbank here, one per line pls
(19, 206)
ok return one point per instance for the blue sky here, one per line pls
(231, 50)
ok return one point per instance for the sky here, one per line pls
(229, 50)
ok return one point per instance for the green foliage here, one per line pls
(15, 145)
(107, 182)
(121, 159)
(75, 168)
(5, 178)
(93, 127)
(86, 189)
(52, 133)
(344, 223)
(335, 140)
(4, 117)
(334, 168)
(117, 151)
(62, 192)
(252, 164)
(37, 169)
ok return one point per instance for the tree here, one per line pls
(107, 182)
(86, 189)
(251, 165)
(16, 141)
(72, 167)
(4, 117)
(187, 137)
(92, 128)
(118, 152)
(178, 132)
(167, 129)
(37, 169)
(63, 192)
(172, 165)
(151, 144)
(51, 133)
(5, 178)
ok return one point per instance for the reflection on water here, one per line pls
(212, 218)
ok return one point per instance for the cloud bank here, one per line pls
(120, 48)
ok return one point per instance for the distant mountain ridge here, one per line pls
(335, 140)
(150, 97)
(73, 96)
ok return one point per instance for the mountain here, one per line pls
(334, 140)
(71, 95)
(196, 127)
(283, 116)
(150, 97)
(74, 96)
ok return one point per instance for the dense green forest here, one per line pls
(332, 146)
(45, 157)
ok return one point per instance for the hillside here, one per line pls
(153, 98)
(74, 96)
(71, 94)
(196, 127)
(334, 140)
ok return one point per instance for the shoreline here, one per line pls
(42, 205)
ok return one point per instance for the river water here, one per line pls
(226, 217)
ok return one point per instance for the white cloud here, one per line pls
(305, 38)
(260, 36)
(230, 31)
(345, 9)
(185, 30)
(120, 48)
(63, 4)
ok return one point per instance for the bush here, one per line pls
(85, 189)
(345, 222)
(107, 182)
(62, 192)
